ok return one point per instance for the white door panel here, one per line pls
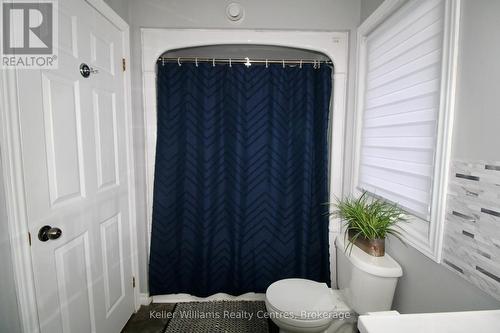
(76, 298)
(75, 172)
(106, 138)
(63, 137)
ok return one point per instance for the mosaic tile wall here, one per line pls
(472, 228)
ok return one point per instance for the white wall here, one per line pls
(427, 286)
(9, 315)
(120, 7)
(368, 6)
(277, 14)
(339, 15)
(430, 287)
(476, 134)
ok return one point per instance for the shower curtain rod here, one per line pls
(246, 61)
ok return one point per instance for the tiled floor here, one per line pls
(142, 321)
(145, 322)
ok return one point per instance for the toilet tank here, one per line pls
(367, 283)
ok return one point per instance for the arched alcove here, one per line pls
(314, 45)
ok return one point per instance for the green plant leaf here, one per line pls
(368, 217)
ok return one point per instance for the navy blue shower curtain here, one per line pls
(240, 178)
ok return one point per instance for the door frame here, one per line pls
(11, 158)
(334, 44)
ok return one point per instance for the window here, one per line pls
(406, 61)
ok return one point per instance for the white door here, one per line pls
(75, 171)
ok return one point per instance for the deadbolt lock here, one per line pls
(85, 70)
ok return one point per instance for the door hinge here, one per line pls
(124, 64)
(133, 281)
(29, 237)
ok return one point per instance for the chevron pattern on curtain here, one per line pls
(240, 178)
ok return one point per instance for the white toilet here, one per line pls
(366, 284)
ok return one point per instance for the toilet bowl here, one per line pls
(366, 284)
(300, 305)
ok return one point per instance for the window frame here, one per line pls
(425, 236)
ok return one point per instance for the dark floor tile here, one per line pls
(272, 327)
(149, 319)
(142, 321)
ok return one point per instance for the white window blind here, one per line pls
(401, 106)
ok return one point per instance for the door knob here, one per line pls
(47, 232)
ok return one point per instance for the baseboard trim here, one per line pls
(180, 298)
(145, 299)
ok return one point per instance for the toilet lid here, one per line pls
(300, 297)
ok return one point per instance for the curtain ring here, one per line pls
(213, 62)
(283, 62)
(300, 64)
(266, 63)
(196, 62)
(230, 64)
(179, 62)
(162, 61)
(319, 64)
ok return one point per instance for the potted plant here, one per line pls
(368, 221)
